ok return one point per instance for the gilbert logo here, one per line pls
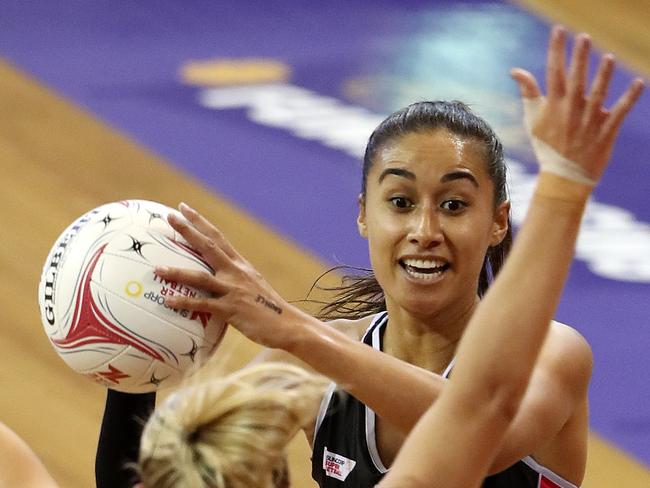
(337, 466)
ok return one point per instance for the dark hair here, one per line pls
(360, 293)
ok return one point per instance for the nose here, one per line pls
(426, 229)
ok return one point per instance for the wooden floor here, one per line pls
(57, 162)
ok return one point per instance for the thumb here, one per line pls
(528, 86)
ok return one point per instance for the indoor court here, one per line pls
(256, 114)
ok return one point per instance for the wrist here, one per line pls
(551, 186)
(307, 334)
(551, 161)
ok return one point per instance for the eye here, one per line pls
(401, 202)
(453, 206)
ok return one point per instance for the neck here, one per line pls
(427, 341)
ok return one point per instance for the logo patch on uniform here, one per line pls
(337, 466)
(544, 482)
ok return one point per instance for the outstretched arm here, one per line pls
(573, 136)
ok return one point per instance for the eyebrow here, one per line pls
(459, 175)
(404, 173)
(454, 175)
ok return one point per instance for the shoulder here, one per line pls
(565, 340)
(567, 354)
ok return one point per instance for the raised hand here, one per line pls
(572, 132)
(240, 294)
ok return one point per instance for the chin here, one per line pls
(423, 308)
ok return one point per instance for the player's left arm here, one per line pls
(557, 392)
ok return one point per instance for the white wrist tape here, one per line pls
(548, 158)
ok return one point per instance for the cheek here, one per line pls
(380, 242)
(385, 226)
(384, 235)
(471, 237)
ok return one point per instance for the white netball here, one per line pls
(103, 306)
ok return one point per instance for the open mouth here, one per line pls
(424, 269)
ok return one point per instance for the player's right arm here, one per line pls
(19, 466)
(337, 352)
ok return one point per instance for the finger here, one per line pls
(555, 63)
(622, 108)
(202, 304)
(578, 70)
(204, 226)
(201, 280)
(528, 87)
(208, 247)
(599, 87)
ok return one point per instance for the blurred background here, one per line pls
(256, 113)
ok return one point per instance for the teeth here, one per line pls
(424, 269)
(429, 264)
(423, 276)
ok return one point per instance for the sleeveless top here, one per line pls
(345, 450)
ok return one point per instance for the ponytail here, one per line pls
(231, 432)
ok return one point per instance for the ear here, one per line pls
(361, 219)
(500, 225)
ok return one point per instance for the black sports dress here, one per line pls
(345, 449)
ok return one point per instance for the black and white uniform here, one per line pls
(345, 447)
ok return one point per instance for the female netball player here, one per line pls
(434, 210)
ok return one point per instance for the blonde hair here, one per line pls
(231, 432)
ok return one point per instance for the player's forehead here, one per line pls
(429, 155)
